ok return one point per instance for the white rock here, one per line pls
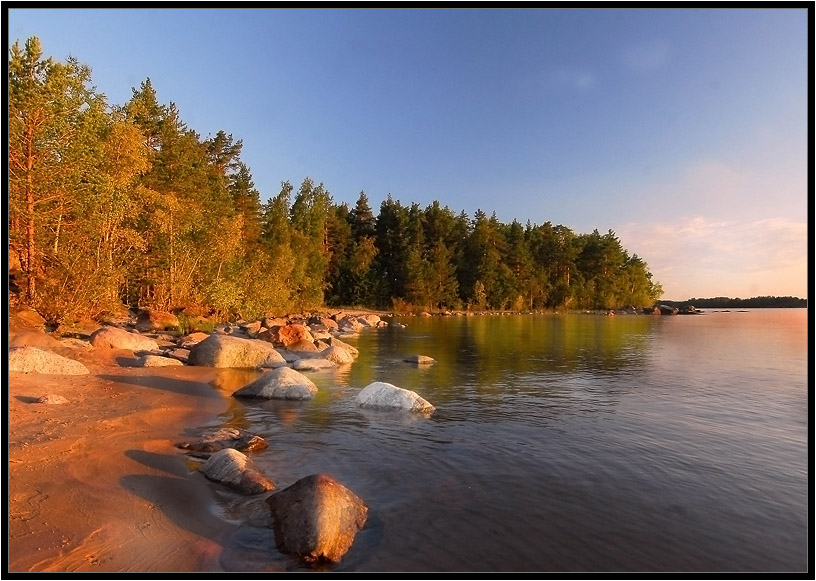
(381, 395)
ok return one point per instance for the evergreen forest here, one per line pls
(112, 205)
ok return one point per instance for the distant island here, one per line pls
(764, 302)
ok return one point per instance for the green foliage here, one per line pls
(112, 205)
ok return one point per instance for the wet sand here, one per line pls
(97, 483)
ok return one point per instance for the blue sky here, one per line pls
(684, 131)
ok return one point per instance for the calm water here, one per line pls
(560, 443)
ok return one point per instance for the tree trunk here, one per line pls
(30, 248)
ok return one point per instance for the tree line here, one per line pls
(114, 205)
(762, 302)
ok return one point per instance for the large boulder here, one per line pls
(116, 338)
(29, 359)
(281, 383)
(316, 518)
(235, 438)
(236, 471)
(227, 351)
(384, 396)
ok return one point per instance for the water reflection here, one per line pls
(563, 443)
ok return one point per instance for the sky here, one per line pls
(684, 131)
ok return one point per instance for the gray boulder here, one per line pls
(281, 383)
(316, 518)
(115, 338)
(236, 471)
(384, 396)
(29, 359)
(227, 351)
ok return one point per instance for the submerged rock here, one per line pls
(420, 360)
(240, 440)
(385, 396)
(313, 364)
(236, 471)
(281, 383)
(316, 518)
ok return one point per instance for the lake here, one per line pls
(570, 442)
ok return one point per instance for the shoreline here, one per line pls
(98, 484)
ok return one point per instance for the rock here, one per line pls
(75, 343)
(115, 338)
(228, 351)
(240, 440)
(156, 361)
(192, 339)
(322, 324)
(270, 322)
(338, 355)
(235, 470)
(149, 320)
(667, 310)
(32, 318)
(369, 320)
(282, 383)
(252, 329)
(180, 354)
(335, 342)
(349, 324)
(320, 335)
(420, 360)
(303, 347)
(51, 399)
(384, 396)
(316, 518)
(289, 335)
(33, 360)
(313, 364)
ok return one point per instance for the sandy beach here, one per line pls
(97, 483)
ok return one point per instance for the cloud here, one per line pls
(698, 257)
(646, 56)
